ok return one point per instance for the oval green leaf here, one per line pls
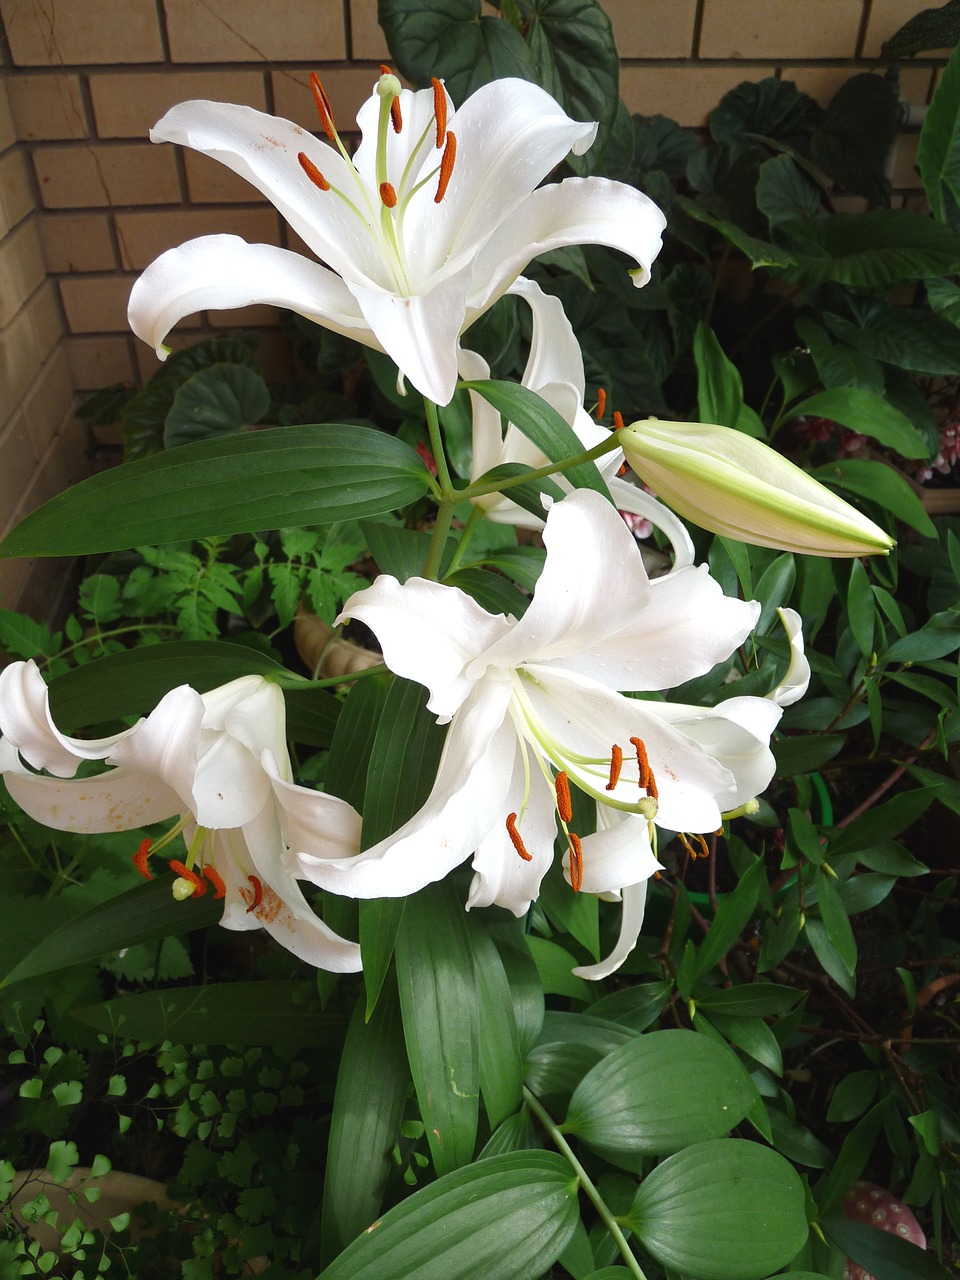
(505, 1218)
(659, 1093)
(722, 1210)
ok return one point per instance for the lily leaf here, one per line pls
(233, 484)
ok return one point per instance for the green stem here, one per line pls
(593, 1195)
(476, 515)
(436, 446)
(106, 635)
(479, 488)
(438, 539)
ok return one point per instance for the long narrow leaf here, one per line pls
(231, 484)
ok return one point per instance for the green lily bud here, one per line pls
(729, 483)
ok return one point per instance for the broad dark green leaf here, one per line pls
(938, 156)
(908, 337)
(840, 366)
(851, 1160)
(491, 591)
(402, 769)
(884, 821)
(752, 1035)
(755, 999)
(835, 920)
(861, 608)
(145, 913)
(803, 755)
(732, 916)
(762, 253)
(934, 28)
(770, 107)
(931, 641)
(505, 1218)
(526, 989)
(881, 484)
(401, 552)
(353, 739)
(659, 1093)
(452, 40)
(855, 135)
(241, 1013)
(575, 59)
(234, 484)
(542, 425)
(216, 401)
(636, 1006)
(721, 1210)
(501, 1068)
(832, 963)
(882, 1254)
(719, 385)
(569, 1045)
(869, 414)
(367, 1111)
(528, 494)
(441, 1021)
(871, 250)
(555, 966)
(785, 192)
(133, 682)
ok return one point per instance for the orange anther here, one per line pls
(140, 858)
(564, 804)
(617, 420)
(440, 111)
(516, 839)
(616, 764)
(323, 106)
(257, 893)
(601, 403)
(646, 779)
(184, 872)
(385, 70)
(576, 863)
(446, 167)
(396, 119)
(388, 195)
(216, 880)
(312, 172)
(622, 469)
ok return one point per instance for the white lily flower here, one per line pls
(555, 372)
(430, 222)
(539, 696)
(219, 763)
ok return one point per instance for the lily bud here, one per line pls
(731, 484)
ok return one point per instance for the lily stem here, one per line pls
(436, 448)
(593, 1195)
(438, 539)
(479, 487)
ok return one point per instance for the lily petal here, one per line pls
(119, 800)
(631, 922)
(794, 684)
(219, 272)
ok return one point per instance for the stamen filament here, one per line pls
(516, 839)
(564, 804)
(616, 764)
(312, 172)
(446, 167)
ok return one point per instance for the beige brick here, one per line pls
(252, 31)
(16, 189)
(8, 132)
(905, 172)
(48, 479)
(128, 105)
(13, 579)
(96, 303)
(43, 312)
(21, 269)
(347, 88)
(77, 176)
(16, 466)
(653, 28)
(823, 82)
(47, 106)
(366, 35)
(686, 94)
(43, 34)
(210, 182)
(77, 242)
(144, 236)
(19, 358)
(886, 18)
(73, 445)
(780, 28)
(48, 401)
(99, 362)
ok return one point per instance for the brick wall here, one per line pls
(86, 201)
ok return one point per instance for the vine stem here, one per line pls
(478, 488)
(593, 1195)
